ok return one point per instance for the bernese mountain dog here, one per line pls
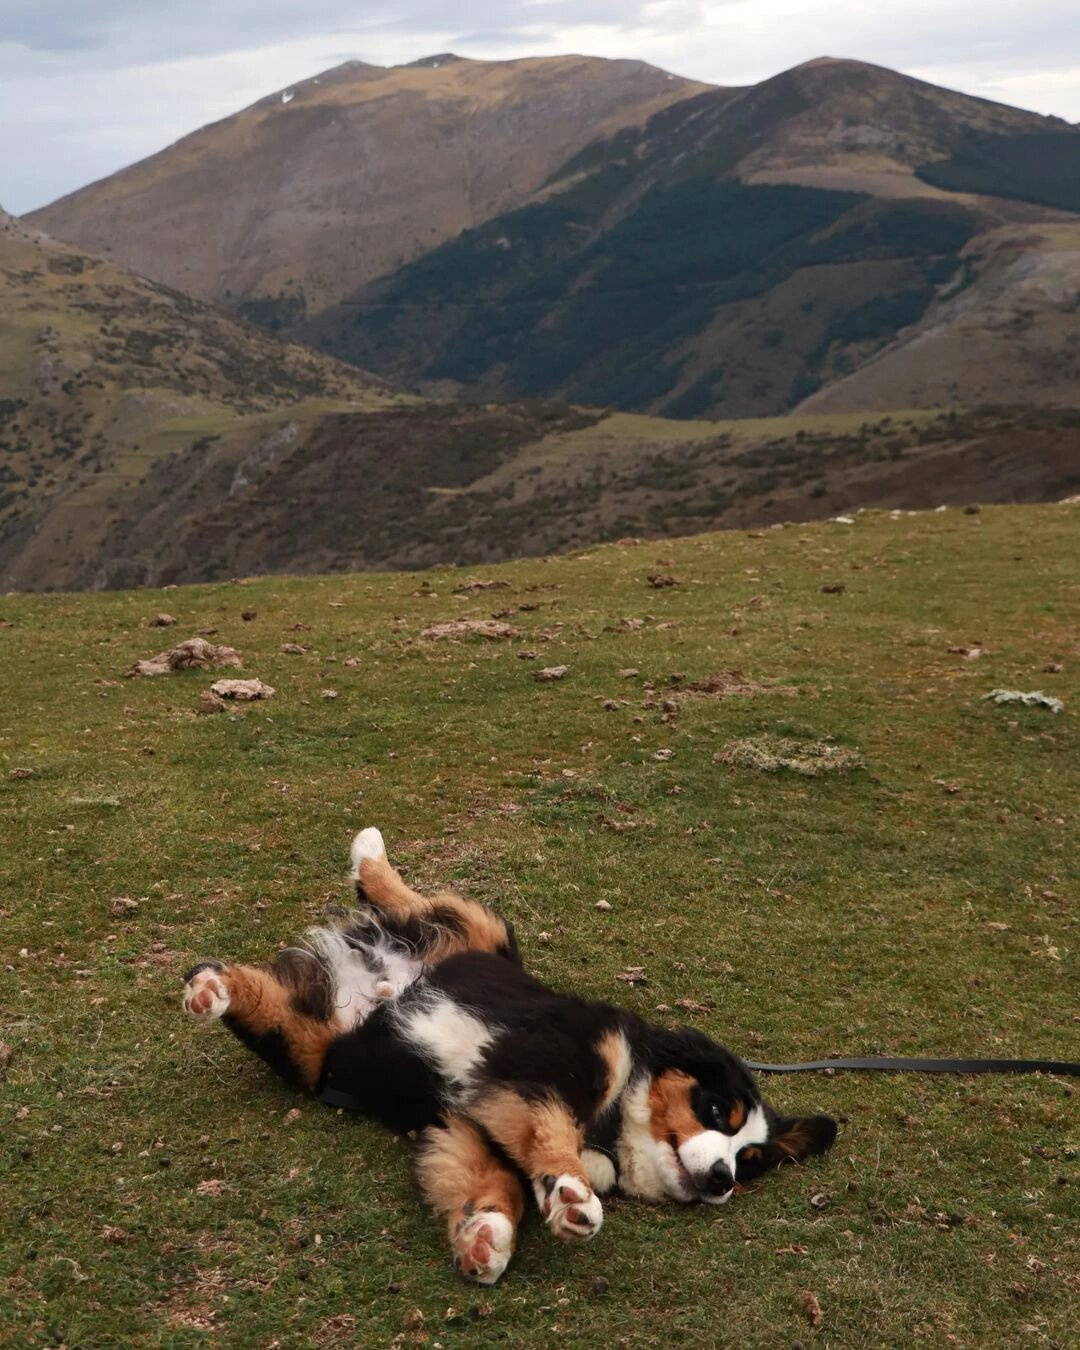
(417, 1012)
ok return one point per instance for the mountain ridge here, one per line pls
(265, 206)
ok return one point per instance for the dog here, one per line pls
(418, 1013)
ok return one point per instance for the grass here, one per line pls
(922, 904)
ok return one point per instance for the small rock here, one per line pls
(210, 703)
(550, 673)
(123, 906)
(292, 1115)
(628, 673)
(244, 690)
(660, 580)
(633, 975)
(351, 661)
(17, 775)
(295, 648)
(599, 1286)
(603, 905)
(1053, 668)
(527, 656)
(663, 755)
(328, 693)
(610, 705)
(162, 621)
(483, 628)
(196, 653)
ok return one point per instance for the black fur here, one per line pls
(545, 1047)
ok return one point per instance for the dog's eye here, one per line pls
(718, 1117)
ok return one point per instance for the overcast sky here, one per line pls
(87, 86)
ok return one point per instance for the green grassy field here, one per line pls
(158, 1186)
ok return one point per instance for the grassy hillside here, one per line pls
(161, 1189)
(101, 372)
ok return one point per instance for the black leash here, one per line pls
(889, 1064)
(882, 1063)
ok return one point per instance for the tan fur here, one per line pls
(614, 1051)
(737, 1117)
(671, 1114)
(543, 1138)
(459, 1175)
(385, 890)
(262, 1004)
(796, 1142)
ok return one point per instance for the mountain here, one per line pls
(290, 204)
(148, 438)
(735, 255)
(101, 373)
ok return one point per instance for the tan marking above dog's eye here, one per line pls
(737, 1116)
(751, 1154)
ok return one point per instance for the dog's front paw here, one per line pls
(483, 1245)
(206, 996)
(571, 1209)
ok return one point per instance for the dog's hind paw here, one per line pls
(205, 994)
(571, 1209)
(367, 844)
(483, 1245)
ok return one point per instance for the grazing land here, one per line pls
(161, 1189)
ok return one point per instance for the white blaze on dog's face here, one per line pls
(699, 1134)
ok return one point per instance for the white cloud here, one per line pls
(87, 88)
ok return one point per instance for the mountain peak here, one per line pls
(432, 62)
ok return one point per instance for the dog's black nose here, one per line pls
(719, 1181)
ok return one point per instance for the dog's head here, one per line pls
(709, 1124)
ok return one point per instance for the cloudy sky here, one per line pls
(87, 86)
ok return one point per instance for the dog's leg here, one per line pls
(479, 1196)
(541, 1135)
(265, 1014)
(435, 927)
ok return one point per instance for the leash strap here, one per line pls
(888, 1064)
(333, 1097)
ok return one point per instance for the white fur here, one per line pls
(500, 1243)
(647, 1167)
(367, 844)
(209, 981)
(450, 1036)
(702, 1152)
(358, 989)
(587, 1209)
(600, 1170)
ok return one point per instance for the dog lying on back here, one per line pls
(417, 1013)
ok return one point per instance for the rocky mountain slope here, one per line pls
(737, 254)
(292, 203)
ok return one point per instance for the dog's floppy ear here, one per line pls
(791, 1138)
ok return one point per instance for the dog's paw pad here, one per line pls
(571, 1209)
(205, 995)
(367, 844)
(483, 1246)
